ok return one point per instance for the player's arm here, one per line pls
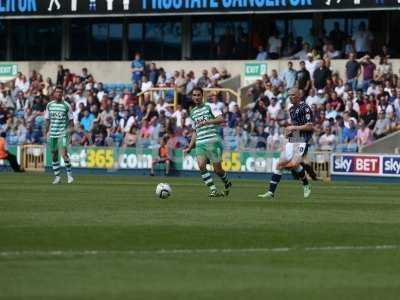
(47, 118)
(70, 120)
(191, 144)
(217, 120)
(305, 127)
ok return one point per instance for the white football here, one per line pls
(163, 190)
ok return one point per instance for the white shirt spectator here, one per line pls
(362, 40)
(146, 85)
(80, 99)
(177, 115)
(274, 110)
(231, 106)
(160, 107)
(215, 76)
(310, 100)
(274, 44)
(21, 85)
(340, 89)
(327, 141)
(219, 106)
(100, 94)
(311, 66)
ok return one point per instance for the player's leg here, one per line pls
(216, 157)
(205, 175)
(286, 156)
(153, 164)
(67, 160)
(208, 181)
(167, 167)
(296, 166)
(53, 146)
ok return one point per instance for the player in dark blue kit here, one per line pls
(299, 134)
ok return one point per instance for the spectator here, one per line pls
(137, 68)
(274, 46)
(368, 71)
(153, 74)
(337, 37)
(146, 84)
(163, 157)
(87, 120)
(350, 133)
(362, 40)
(303, 78)
(131, 137)
(382, 126)
(262, 54)
(6, 155)
(311, 64)
(203, 80)
(364, 135)
(275, 80)
(303, 53)
(225, 74)
(289, 76)
(327, 141)
(353, 70)
(321, 76)
(384, 70)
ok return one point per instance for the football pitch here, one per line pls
(110, 237)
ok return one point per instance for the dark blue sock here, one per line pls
(276, 178)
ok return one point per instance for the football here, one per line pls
(163, 190)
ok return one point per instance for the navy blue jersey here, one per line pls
(301, 114)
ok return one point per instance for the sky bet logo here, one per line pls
(356, 164)
(9, 6)
(391, 165)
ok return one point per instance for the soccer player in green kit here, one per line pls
(207, 142)
(59, 123)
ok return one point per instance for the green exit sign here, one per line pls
(8, 70)
(255, 69)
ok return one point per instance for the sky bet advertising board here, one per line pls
(21, 8)
(365, 165)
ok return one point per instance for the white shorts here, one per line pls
(294, 151)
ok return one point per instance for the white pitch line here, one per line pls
(62, 253)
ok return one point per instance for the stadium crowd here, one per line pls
(349, 112)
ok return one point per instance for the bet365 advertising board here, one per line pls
(136, 158)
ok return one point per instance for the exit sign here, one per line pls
(8, 70)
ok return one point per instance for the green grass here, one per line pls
(126, 226)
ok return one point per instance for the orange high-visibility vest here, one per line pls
(3, 151)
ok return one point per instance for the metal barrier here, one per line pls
(33, 158)
(320, 162)
(161, 92)
(228, 94)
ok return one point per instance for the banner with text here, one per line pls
(137, 158)
(365, 164)
(18, 8)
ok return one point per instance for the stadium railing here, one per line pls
(33, 157)
(320, 162)
(170, 95)
(228, 94)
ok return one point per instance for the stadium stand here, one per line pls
(349, 112)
